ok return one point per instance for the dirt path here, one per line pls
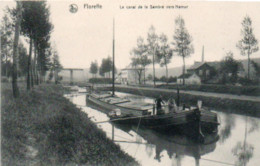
(199, 93)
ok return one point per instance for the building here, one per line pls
(204, 70)
(130, 75)
(190, 78)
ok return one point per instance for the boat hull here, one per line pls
(195, 124)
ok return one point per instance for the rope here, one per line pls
(215, 161)
(138, 124)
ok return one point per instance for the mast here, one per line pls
(113, 69)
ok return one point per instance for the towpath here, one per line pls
(198, 93)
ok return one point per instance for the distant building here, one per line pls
(190, 78)
(204, 70)
(130, 75)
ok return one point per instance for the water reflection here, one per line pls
(225, 132)
(176, 146)
(244, 151)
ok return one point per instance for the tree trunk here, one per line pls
(31, 70)
(248, 70)
(153, 68)
(166, 73)
(6, 59)
(15, 50)
(29, 66)
(35, 67)
(183, 72)
(144, 75)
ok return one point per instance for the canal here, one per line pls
(237, 142)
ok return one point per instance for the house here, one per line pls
(204, 70)
(190, 78)
(130, 75)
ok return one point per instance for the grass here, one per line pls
(228, 89)
(42, 127)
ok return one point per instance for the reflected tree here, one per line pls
(254, 125)
(225, 133)
(243, 153)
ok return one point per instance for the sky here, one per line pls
(86, 35)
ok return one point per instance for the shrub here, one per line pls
(100, 80)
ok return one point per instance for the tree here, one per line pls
(106, 66)
(164, 53)
(55, 65)
(94, 68)
(152, 47)
(101, 68)
(140, 59)
(229, 68)
(35, 25)
(6, 31)
(23, 58)
(15, 49)
(182, 42)
(257, 70)
(248, 44)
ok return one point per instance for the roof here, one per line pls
(186, 75)
(196, 65)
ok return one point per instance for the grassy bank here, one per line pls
(229, 89)
(225, 105)
(44, 128)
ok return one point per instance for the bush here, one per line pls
(100, 80)
(172, 79)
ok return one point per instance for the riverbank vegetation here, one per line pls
(226, 89)
(42, 127)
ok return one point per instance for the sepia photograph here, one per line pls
(130, 83)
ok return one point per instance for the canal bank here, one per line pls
(42, 127)
(224, 102)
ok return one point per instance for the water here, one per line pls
(238, 136)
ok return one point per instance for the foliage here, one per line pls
(55, 62)
(106, 66)
(229, 68)
(23, 58)
(172, 79)
(257, 69)
(152, 46)
(182, 42)
(94, 68)
(100, 80)
(164, 53)
(229, 89)
(6, 30)
(248, 44)
(36, 25)
(140, 59)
